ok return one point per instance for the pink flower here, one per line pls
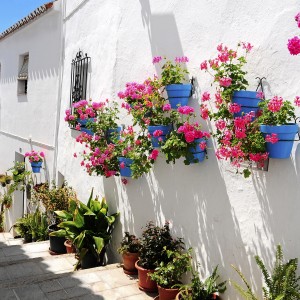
(225, 81)
(82, 163)
(297, 99)
(185, 110)
(204, 112)
(202, 145)
(189, 136)
(157, 133)
(224, 56)
(182, 59)
(294, 45)
(247, 46)
(273, 138)
(156, 59)
(275, 104)
(219, 99)
(220, 124)
(122, 165)
(75, 155)
(167, 107)
(138, 142)
(240, 133)
(214, 63)
(154, 154)
(77, 127)
(234, 108)
(124, 181)
(205, 96)
(203, 65)
(42, 154)
(260, 95)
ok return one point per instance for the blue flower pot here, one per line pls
(286, 135)
(178, 94)
(248, 102)
(166, 129)
(198, 153)
(110, 133)
(36, 166)
(125, 172)
(84, 123)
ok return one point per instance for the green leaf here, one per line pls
(59, 233)
(63, 214)
(99, 243)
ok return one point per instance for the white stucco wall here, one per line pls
(31, 116)
(226, 219)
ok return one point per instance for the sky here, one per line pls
(11, 11)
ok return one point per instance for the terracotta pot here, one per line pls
(69, 246)
(167, 294)
(213, 296)
(129, 260)
(145, 283)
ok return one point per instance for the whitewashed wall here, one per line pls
(225, 218)
(32, 116)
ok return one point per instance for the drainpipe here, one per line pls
(59, 96)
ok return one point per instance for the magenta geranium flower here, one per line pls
(294, 45)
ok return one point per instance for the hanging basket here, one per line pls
(286, 135)
(36, 166)
(126, 171)
(248, 101)
(156, 140)
(178, 94)
(197, 152)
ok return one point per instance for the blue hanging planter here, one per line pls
(125, 172)
(110, 133)
(178, 94)
(166, 129)
(36, 166)
(198, 153)
(286, 135)
(83, 124)
(248, 101)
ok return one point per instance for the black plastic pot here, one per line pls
(90, 260)
(27, 238)
(56, 243)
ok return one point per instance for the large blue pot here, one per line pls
(248, 102)
(178, 94)
(110, 133)
(198, 153)
(36, 166)
(125, 172)
(166, 129)
(286, 135)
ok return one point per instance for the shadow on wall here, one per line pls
(278, 193)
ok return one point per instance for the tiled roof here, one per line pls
(31, 17)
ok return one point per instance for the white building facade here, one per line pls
(225, 218)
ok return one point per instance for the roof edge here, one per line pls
(31, 17)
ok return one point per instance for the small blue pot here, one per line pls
(83, 124)
(248, 102)
(110, 133)
(36, 166)
(166, 129)
(286, 135)
(125, 172)
(198, 153)
(178, 94)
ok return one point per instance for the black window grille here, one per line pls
(79, 77)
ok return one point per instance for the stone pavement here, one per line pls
(29, 272)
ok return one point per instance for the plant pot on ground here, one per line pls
(168, 275)
(154, 243)
(129, 249)
(69, 246)
(90, 229)
(56, 242)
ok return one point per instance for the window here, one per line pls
(23, 74)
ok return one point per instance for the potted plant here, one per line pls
(129, 249)
(90, 231)
(277, 126)
(188, 140)
(135, 154)
(155, 241)
(208, 289)
(168, 275)
(238, 140)
(54, 198)
(282, 283)
(36, 160)
(172, 77)
(149, 109)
